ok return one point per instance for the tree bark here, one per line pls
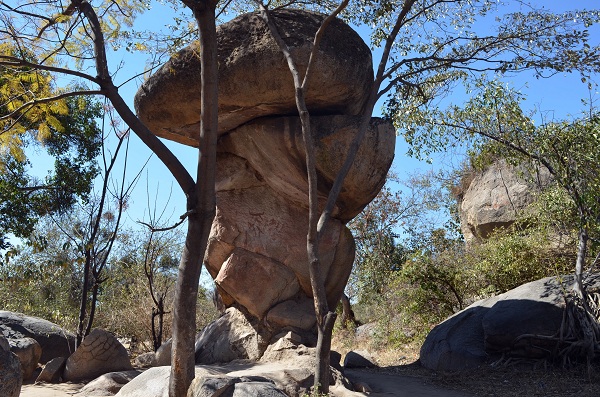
(201, 207)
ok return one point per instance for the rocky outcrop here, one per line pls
(54, 340)
(257, 248)
(254, 79)
(10, 371)
(497, 196)
(99, 353)
(492, 327)
(29, 351)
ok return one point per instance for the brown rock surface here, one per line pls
(254, 79)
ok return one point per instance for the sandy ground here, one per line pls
(50, 390)
(381, 384)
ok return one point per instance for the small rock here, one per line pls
(145, 360)
(107, 384)
(52, 371)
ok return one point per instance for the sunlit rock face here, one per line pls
(257, 247)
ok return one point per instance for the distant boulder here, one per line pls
(496, 196)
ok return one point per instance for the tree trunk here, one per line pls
(84, 299)
(580, 263)
(201, 207)
(93, 303)
(348, 313)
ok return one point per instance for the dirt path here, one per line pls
(50, 390)
(382, 384)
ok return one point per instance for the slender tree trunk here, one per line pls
(580, 263)
(84, 299)
(201, 207)
(348, 313)
(93, 303)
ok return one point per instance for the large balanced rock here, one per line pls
(54, 340)
(497, 196)
(257, 247)
(99, 353)
(29, 351)
(10, 371)
(494, 326)
(254, 79)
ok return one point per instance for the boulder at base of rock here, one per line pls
(163, 354)
(99, 353)
(10, 371)
(54, 340)
(230, 337)
(52, 371)
(359, 359)
(29, 352)
(107, 384)
(493, 326)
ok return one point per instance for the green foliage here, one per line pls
(74, 146)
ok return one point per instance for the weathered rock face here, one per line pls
(99, 353)
(10, 371)
(496, 196)
(492, 327)
(257, 248)
(55, 341)
(254, 79)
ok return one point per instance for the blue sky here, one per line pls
(560, 94)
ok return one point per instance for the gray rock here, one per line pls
(492, 326)
(359, 359)
(107, 384)
(29, 352)
(10, 371)
(146, 360)
(54, 340)
(99, 353)
(52, 371)
(230, 337)
(254, 79)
